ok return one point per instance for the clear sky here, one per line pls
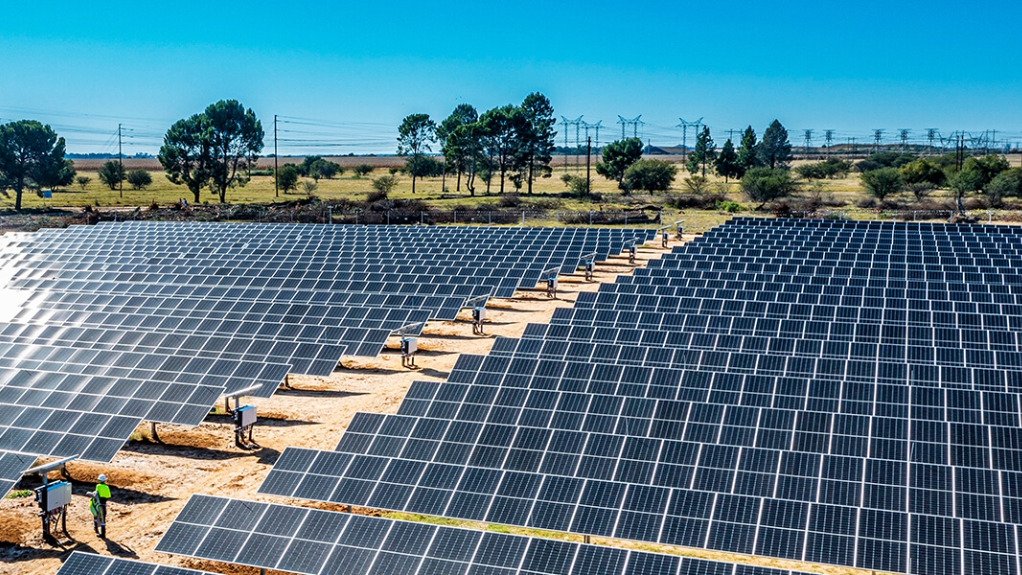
(354, 70)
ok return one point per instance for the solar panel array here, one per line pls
(102, 327)
(316, 542)
(82, 563)
(835, 392)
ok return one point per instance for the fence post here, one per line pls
(590, 217)
(455, 216)
(523, 217)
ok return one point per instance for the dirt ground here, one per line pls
(152, 481)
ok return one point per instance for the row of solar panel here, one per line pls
(315, 542)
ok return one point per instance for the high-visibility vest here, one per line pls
(103, 491)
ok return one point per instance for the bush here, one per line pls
(577, 185)
(829, 168)
(766, 184)
(883, 182)
(383, 185)
(987, 167)
(697, 185)
(310, 188)
(650, 175)
(287, 180)
(884, 160)
(112, 174)
(139, 179)
(363, 170)
(1004, 184)
(729, 206)
(83, 182)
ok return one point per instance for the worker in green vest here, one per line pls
(97, 505)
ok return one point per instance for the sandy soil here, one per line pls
(152, 481)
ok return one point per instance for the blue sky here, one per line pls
(353, 70)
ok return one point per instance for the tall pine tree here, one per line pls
(727, 162)
(775, 149)
(747, 158)
(703, 153)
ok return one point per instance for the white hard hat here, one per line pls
(102, 478)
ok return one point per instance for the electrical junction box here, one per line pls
(245, 416)
(479, 313)
(58, 494)
(551, 283)
(409, 345)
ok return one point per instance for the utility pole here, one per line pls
(120, 161)
(589, 153)
(684, 125)
(903, 134)
(828, 137)
(931, 135)
(577, 122)
(633, 122)
(276, 178)
(808, 142)
(878, 135)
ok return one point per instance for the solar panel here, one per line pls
(12, 466)
(316, 542)
(82, 563)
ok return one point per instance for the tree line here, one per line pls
(513, 143)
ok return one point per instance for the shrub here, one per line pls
(83, 182)
(577, 185)
(363, 170)
(884, 160)
(766, 184)
(697, 185)
(729, 206)
(287, 180)
(139, 179)
(112, 174)
(829, 168)
(1004, 184)
(920, 190)
(650, 175)
(310, 188)
(883, 182)
(383, 185)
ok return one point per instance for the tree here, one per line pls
(235, 139)
(473, 154)
(884, 160)
(703, 153)
(537, 145)
(111, 173)
(287, 178)
(32, 156)
(503, 131)
(883, 182)
(317, 167)
(775, 149)
(765, 184)
(968, 179)
(618, 157)
(185, 154)
(923, 171)
(363, 170)
(1006, 183)
(650, 175)
(414, 135)
(747, 156)
(452, 135)
(726, 163)
(424, 167)
(139, 179)
(83, 182)
(988, 167)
